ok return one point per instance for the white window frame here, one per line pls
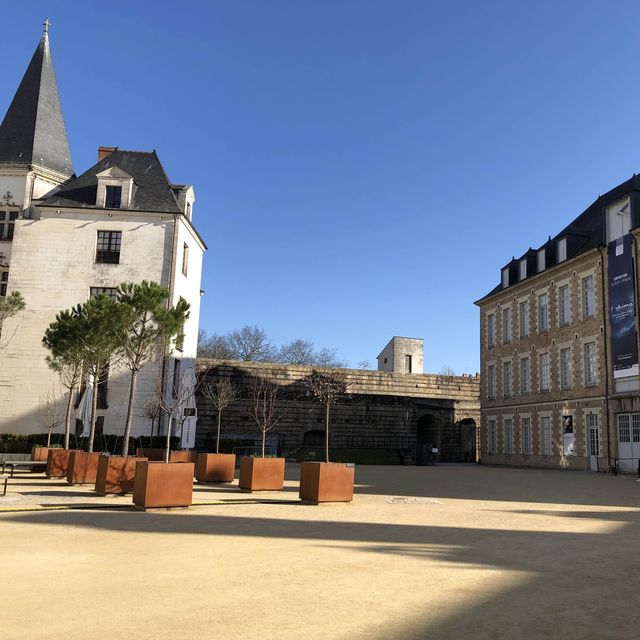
(589, 363)
(562, 249)
(525, 374)
(524, 318)
(564, 305)
(507, 389)
(544, 371)
(507, 332)
(491, 381)
(588, 297)
(541, 259)
(522, 269)
(546, 436)
(566, 368)
(543, 312)
(505, 277)
(491, 329)
(492, 435)
(508, 435)
(525, 435)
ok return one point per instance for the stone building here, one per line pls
(559, 352)
(408, 415)
(404, 355)
(66, 237)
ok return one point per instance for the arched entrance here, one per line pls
(427, 439)
(313, 438)
(468, 440)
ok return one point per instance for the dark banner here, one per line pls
(622, 309)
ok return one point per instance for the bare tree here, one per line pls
(51, 413)
(152, 410)
(326, 388)
(251, 344)
(263, 399)
(364, 364)
(447, 371)
(297, 352)
(220, 394)
(328, 359)
(214, 346)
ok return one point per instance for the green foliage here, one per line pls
(226, 444)
(22, 443)
(10, 305)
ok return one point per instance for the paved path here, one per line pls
(432, 552)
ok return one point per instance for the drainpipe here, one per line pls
(605, 317)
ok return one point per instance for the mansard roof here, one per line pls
(151, 192)
(586, 232)
(33, 131)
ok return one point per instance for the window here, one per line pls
(525, 386)
(506, 326)
(545, 436)
(594, 434)
(564, 306)
(103, 388)
(506, 379)
(491, 329)
(525, 424)
(112, 292)
(508, 435)
(505, 277)
(542, 255)
(545, 378)
(185, 259)
(113, 197)
(524, 319)
(108, 249)
(590, 363)
(565, 368)
(6, 230)
(588, 298)
(492, 436)
(491, 382)
(4, 278)
(407, 364)
(562, 250)
(175, 385)
(543, 312)
(522, 269)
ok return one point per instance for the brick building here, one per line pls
(559, 346)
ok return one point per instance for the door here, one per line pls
(594, 442)
(628, 442)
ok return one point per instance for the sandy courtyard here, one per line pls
(454, 551)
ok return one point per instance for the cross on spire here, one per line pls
(45, 25)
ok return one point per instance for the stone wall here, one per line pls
(382, 410)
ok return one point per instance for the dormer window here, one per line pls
(113, 197)
(522, 269)
(505, 277)
(542, 259)
(562, 250)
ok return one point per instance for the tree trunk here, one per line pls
(67, 421)
(127, 428)
(326, 434)
(94, 407)
(49, 430)
(167, 445)
(264, 441)
(218, 436)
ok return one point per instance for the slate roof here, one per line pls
(586, 232)
(33, 130)
(151, 192)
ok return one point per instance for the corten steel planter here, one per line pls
(163, 484)
(83, 467)
(261, 474)
(326, 482)
(150, 454)
(39, 454)
(58, 463)
(116, 474)
(183, 456)
(215, 467)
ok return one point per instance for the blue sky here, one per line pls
(362, 168)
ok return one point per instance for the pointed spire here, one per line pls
(33, 131)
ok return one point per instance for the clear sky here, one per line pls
(363, 168)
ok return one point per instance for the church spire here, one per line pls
(33, 131)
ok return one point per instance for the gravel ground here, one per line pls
(454, 551)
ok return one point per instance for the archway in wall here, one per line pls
(313, 438)
(468, 440)
(427, 438)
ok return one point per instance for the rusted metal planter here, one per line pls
(83, 467)
(58, 463)
(326, 482)
(215, 467)
(116, 474)
(183, 456)
(163, 484)
(261, 474)
(150, 454)
(40, 454)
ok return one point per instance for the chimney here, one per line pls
(103, 152)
